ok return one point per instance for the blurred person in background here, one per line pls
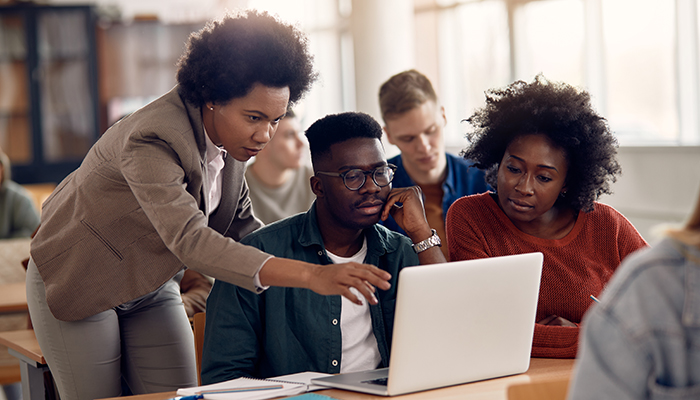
(643, 340)
(278, 179)
(18, 214)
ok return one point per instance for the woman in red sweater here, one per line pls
(549, 156)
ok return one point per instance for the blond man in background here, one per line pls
(414, 121)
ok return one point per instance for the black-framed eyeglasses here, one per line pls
(354, 179)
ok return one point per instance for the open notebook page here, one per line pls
(250, 388)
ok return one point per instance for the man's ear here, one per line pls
(388, 136)
(316, 186)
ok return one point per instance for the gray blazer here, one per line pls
(132, 215)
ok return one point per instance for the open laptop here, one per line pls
(455, 323)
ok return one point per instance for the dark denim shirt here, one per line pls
(462, 179)
(643, 340)
(289, 330)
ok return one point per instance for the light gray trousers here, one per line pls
(147, 341)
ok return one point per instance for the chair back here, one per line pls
(198, 322)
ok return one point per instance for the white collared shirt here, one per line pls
(215, 165)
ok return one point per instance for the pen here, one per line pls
(235, 390)
(594, 298)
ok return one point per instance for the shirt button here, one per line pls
(335, 321)
(320, 252)
(335, 363)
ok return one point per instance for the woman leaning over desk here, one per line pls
(548, 156)
(162, 190)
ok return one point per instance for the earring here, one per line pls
(211, 108)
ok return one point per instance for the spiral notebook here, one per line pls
(251, 388)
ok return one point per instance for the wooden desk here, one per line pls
(23, 345)
(492, 389)
(13, 298)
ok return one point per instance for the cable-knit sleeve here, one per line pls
(555, 341)
(465, 240)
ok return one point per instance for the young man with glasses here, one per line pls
(289, 330)
(414, 121)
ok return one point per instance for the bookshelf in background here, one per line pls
(48, 89)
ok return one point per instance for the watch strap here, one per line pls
(432, 241)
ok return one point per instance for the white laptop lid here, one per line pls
(464, 321)
(458, 322)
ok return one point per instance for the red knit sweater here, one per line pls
(575, 267)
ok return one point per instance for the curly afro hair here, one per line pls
(562, 113)
(226, 58)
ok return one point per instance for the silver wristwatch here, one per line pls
(424, 245)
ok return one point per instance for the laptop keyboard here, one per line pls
(378, 381)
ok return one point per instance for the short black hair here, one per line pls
(337, 128)
(565, 115)
(226, 58)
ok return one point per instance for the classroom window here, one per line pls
(639, 69)
(638, 59)
(473, 56)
